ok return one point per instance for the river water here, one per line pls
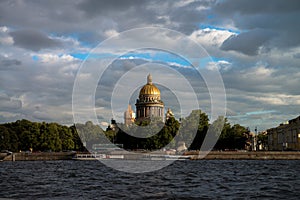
(201, 179)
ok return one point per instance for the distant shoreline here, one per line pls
(194, 155)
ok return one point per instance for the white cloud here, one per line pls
(5, 38)
(211, 37)
(277, 99)
(260, 72)
(182, 3)
(9, 114)
(219, 65)
(54, 58)
(9, 103)
(111, 33)
(180, 65)
(3, 29)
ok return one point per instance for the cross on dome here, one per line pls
(149, 79)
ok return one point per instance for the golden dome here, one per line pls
(149, 88)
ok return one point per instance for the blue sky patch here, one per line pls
(204, 26)
(35, 58)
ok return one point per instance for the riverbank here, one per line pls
(193, 155)
(40, 156)
(2, 156)
(245, 155)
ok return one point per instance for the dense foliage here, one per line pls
(24, 135)
(148, 136)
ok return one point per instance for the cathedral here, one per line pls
(148, 105)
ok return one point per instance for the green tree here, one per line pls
(27, 140)
(169, 131)
(54, 139)
(78, 145)
(49, 137)
(232, 137)
(35, 130)
(66, 137)
(193, 129)
(91, 134)
(43, 139)
(4, 138)
(149, 134)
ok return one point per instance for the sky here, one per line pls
(255, 46)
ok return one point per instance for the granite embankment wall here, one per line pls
(213, 155)
(39, 156)
(246, 155)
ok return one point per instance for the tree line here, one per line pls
(24, 135)
(191, 130)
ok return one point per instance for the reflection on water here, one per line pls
(201, 179)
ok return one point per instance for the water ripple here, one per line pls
(202, 179)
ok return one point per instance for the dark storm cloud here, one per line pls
(46, 15)
(248, 42)
(33, 40)
(275, 16)
(122, 15)
(95, 7)
(297, 55)
(90, 19)
(243, 7)
(9, 64)
(188, 17)
(267, 30)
